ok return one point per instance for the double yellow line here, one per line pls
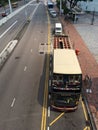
(44, 110)
(85, 114)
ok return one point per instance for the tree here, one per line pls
(73, 3)
(3, 3)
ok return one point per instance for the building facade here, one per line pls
(89, 6)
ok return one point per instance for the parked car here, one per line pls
(4, 14)
(53, 13)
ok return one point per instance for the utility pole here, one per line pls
(10, 6)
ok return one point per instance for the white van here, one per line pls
(58, 28)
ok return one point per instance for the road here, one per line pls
(24, 78)
(66, 120)
(9, 30)
(7, 9)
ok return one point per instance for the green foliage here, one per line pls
(64, 7)
(58, 3)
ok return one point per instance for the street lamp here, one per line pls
(60, 7)
(10, 6)
(92, 20)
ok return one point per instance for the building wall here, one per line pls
(89, 6)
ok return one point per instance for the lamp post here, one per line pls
(10, 6)
(92, 20)
(60, 7)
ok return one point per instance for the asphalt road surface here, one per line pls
(24, 78)
(11, 28)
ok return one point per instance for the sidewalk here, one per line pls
(88, 65)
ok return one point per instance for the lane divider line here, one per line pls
(44, 111)
(31, 50)
(31, 16)
(13, 102)
(48, 111)
(8, 29)
(25, 68)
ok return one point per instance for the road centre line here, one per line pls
(44, 110)
(84, 109)
(13, 102)
(8, 29)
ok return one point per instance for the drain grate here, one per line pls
(43, 48)
(17, 57)
(42, 43)
(41, 52)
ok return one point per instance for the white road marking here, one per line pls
(13, 102)
(25, 68)
(31, 16)
(8, 29)
(50, 73)
(48, 128)
(49, 83)
(31, 50)
(48, 111)
(49, 96)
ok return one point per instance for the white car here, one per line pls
(53, 13)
